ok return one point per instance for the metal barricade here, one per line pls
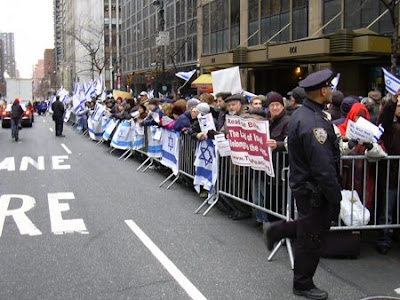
(187, 155)
(377, 184)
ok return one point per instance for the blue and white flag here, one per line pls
(185, 75)
(122, 137)
(248, 95)
(154, 147)
(392, 84)
(99, 85)
(170, 150)
(335, 82)
(110, 128)
(95, 127)
(206, 166)
(138, 136)
(90, 92)
(67, 114)
(78, 100)
(52, 99)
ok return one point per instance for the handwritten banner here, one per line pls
(247, 140)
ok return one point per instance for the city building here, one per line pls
(83, 39)
(2, 70)
(151, 59)
(276, 43)
(38, 74)
(48, 82)
(9, 53)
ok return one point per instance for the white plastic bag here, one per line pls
(351, 203)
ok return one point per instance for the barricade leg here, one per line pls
(173, 182)
(129, 155)
(125, 153)
(166, 179)
(143, 163)
(149, 165)
(100, 142)
(204, 203)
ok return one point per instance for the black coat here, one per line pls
(16, 111)
(314, 154)
(58, 109)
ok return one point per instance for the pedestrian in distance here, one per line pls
(58, 116)
(16, 115)
(315, 181)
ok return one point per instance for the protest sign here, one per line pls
(363, 130)
(247, 139)
(206, 122)
(227, 80)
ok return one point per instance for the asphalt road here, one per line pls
(77, 223)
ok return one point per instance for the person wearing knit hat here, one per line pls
(203, 108)
(345, 107)
(334, 107)
(274, 97)
(373, 104)
(192, 103)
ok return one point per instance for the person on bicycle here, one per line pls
(16, 115)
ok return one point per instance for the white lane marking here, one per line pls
(44, 121)
(192, 291)
(51, 129)
(397, 291)
(66, 149)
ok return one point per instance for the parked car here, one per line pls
(27, 118)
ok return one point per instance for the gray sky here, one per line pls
(32, 23)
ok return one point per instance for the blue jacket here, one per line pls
(183, 121)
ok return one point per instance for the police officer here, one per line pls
(315, 181)
(58, 116)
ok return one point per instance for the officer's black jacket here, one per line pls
(314, 151)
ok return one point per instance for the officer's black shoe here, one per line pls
(382, 249)
(268, 236)
(314, 293)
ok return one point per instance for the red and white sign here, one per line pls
(247, 139)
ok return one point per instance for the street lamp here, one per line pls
(161, 26)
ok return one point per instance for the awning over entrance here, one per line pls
(203, 81)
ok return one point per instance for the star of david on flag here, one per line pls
(170, 150)
(206, 166)
(392, 84)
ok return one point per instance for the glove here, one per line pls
(352, 143)
(368, 146)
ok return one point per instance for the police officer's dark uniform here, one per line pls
(58, 116)
(315, 181)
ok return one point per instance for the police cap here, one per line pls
(317, 80)
(237, 97)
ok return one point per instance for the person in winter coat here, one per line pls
(58, 116)
(223, 110)
(184, 120)
(334, 107)
(153, 105)
(16, 115)
(345, 107)
(390, 120)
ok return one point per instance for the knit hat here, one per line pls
(192, 103)
(347, 103)
(337, 98)
(274, 97)
(16, 101)
(203, 108)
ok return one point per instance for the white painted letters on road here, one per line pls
(8, 164)
(58, 225)
(57, 162)
(27, 160)
(24, 224)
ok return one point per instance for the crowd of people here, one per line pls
(333, 109)
(181, 115)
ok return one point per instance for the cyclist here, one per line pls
(16, 115)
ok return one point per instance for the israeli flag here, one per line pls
(109, 129)
(53, 98)
(104, 123)
(67, 115)
(154, 148)
(122, 137)
(392, 84)
(95, 127)
(90, 92)
(335, 82)
(206, 166)
(99, 85)
(78, 101)
(185, 75)
(138, 137)
(248, 95)
(170, 150)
